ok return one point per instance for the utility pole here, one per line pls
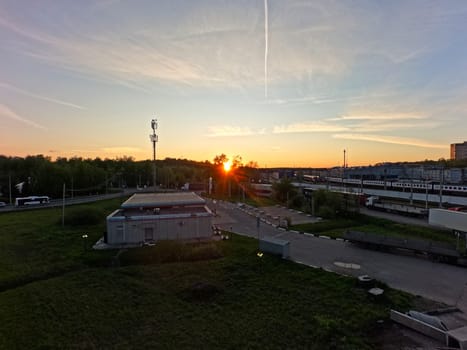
(426, 194)
(441, 187)
(343, 173)
(385, 175)
(63, 206)
(344, 161)
(9, 191)
(154, 139)
(411, 188)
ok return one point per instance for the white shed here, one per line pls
(149, 217)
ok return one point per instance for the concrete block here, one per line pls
(275, 246)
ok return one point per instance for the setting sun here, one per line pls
(227, 166)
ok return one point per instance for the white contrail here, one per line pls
(266, 48)
(6, 112)
(40, 97)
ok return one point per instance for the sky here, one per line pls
(282, 83)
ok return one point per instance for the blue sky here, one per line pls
(283, 83)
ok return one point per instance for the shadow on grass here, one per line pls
(171, 251)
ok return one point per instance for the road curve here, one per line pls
(416, 275)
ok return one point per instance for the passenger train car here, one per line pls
(403, 185)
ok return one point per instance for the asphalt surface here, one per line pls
(416, 275)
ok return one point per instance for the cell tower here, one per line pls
(154, 139)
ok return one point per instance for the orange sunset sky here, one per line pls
(283, 83)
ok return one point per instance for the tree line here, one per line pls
(40, 175)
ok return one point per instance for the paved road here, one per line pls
(68, 201)
(440, 282)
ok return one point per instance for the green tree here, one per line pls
(284, 190)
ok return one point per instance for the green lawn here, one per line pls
(56, 295)
(34, 245)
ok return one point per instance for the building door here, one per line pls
(148, 234)
(119, 235)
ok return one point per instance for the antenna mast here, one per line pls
(154, 138)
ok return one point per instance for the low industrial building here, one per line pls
(149, 217)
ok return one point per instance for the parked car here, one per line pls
(2, 204)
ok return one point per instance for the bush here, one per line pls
(326, 212)
(83, 216)
(298, 202)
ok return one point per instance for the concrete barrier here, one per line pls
(275, 246)
(418, 326)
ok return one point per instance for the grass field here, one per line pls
(55, 294)
(336, 228)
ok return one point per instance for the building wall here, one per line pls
(459, 150)
(137, 230)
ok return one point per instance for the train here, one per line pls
(431, 187)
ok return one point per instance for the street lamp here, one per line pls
(154, 138)
(84, 237)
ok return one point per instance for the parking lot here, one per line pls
(441, 282)
(276, 215)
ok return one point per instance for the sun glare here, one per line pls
(227, 166)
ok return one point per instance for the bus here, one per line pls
(32, 200)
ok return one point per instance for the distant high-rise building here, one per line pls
(459, 150)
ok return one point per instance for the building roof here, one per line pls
(154, 200)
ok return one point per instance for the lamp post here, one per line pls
(9, 188)
(154, 138)
(84, 237)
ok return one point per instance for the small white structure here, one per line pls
(275, 246)
(451, 219)
(149, 217)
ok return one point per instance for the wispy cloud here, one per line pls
(331, 98)
(390, 139)
(393, 126)
(387, 116)
(130, 59)
(385, 122)
(302, 100)
(227, 53)
(360, 123)
(212, 45)
(362, 126)
(6, 112)
(40, 97)
(229, 131)
(319, 126)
